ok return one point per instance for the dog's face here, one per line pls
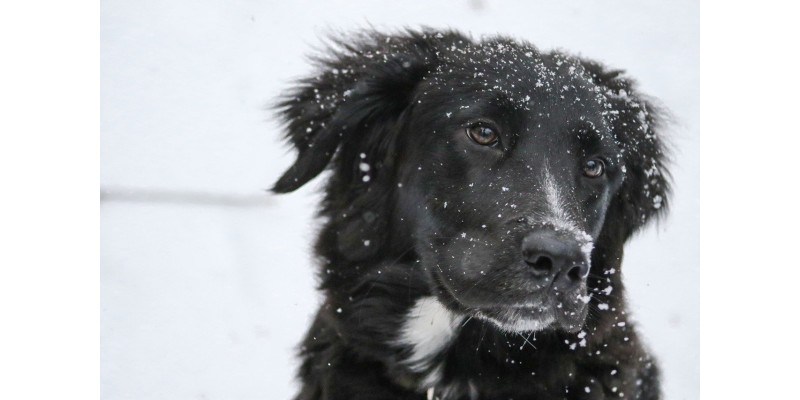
(512, 172)
(501, 164)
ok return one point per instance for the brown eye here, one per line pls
(482, 134)
(594, 168)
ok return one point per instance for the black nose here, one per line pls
(553, 256)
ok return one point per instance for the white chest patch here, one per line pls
(429, 327)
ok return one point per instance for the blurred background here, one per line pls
(207, 281)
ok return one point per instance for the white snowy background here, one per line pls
(207, 280)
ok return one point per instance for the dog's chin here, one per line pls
(532, 319)
(515, 319)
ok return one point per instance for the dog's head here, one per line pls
(505, 169)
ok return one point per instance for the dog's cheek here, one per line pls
(473, 269)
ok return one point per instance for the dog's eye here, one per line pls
(594, 168)
(482, 134)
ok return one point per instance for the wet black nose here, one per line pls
(553, 256)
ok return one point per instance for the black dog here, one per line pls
(474, 220)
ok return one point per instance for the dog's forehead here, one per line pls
(518, 71)
(538, 83)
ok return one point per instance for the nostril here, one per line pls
(554, 255)
(577, 272)
(541, 263)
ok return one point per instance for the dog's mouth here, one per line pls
(553, 310)
(518, 318)
(527, 318)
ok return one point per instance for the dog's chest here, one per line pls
(427, 336)
(428, 330)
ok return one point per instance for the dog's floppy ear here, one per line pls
(637, 125)
(364, 84)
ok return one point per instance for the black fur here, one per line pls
(393, 233)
